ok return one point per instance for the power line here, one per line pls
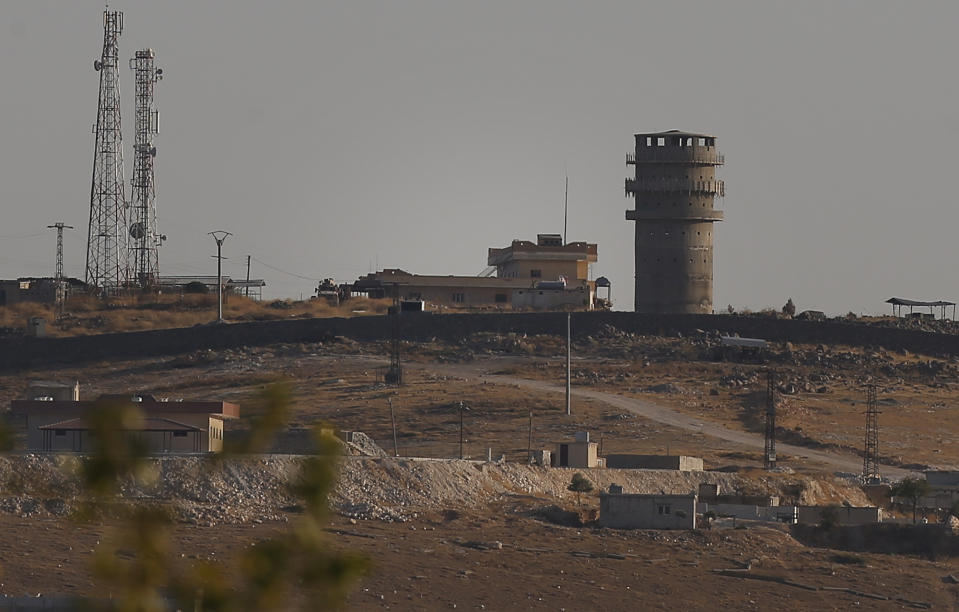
(294, 274)
(19, 236)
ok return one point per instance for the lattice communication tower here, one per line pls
(144, 237)
(769, 456)
(106, 267)
(870, 458)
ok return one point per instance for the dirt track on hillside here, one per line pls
(665, 415)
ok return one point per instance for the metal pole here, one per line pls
(568, 353)
(219, 281)
(461, 430)
(219, 236)
(396, 451)
(247, 276)
(529, 445)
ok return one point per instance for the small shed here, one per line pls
(581, 453)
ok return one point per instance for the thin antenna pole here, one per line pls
(569, 316)
(60, 295)
(565, 209)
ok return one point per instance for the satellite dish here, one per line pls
(136, 230)
(97, 65)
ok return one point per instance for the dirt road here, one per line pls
(850, 464)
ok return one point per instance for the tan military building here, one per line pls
(61, 424)
(543, 275)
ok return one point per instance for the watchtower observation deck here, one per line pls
(674, 188)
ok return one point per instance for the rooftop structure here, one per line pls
(674, 188)
(548, 259)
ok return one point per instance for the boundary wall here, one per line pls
(25, 352)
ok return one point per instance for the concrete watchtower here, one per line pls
(674, 187)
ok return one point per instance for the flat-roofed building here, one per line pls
(165, 426)
(643, 511)
(546, 275)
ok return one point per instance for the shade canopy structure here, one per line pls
(898, 303)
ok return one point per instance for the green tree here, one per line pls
(912, 489)
(579, 485)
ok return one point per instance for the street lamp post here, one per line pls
(219, 236)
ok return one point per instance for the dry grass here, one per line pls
(87, 315)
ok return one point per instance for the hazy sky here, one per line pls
(334, 137)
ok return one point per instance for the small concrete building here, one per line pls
(682, 463)
(580, 453)
(58, 425)
(641, 511)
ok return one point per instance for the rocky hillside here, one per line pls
(391, 489)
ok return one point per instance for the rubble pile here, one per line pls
(252, 490)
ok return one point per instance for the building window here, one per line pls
(179, 434)
(500, 298)
(535, 273)
(458, 297)
(664, 509)
(59, 432)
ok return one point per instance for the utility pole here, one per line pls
(219, 236)
(394, 375)
(463, 408)
(529, 444)
(565, 209)
(569, 317)
(247, 276)
(769, 456)
(58, 276)
(870, 458)
(396, 450)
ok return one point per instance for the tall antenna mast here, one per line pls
(106, 267)
(144, 237)
(565, 208)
